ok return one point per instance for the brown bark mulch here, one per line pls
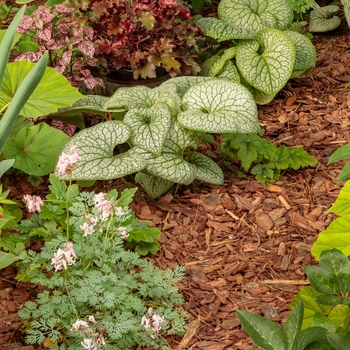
(244, 245)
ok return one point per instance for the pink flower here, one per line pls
(103, 206)
(65, 257)
(123, 232)
(67, 161)
(88, 344)
(155, 321)
(87, 229)
(33, 203)
(81, 327)
(146, 322)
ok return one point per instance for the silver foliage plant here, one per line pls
(162, 128)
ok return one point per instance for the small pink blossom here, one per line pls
(88, 344)
(103, 206)
(64, 257)
(154, 322)
(33, 203)
(87, 229)
(81, 327)
(63, 9)
(122, 230)
(67, 161)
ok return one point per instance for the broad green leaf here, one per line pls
(337, 235)
(144, 248)
(219, 106)
(331, 299)
(6, 259)
(140, 97)
(323, 321)
(293, 325)
(206, 169)
(307, 294)
(24, 46)
(341, 153)
(345, 173)
(305, 53)
(267, 62)
(149, 127)
(126, 197)
(95, 146)
(264, 332)
(341, 206)
(53, 91)
(58, 188)
(184, 83)
(322, 280)
(307, 336)
(339, 315)
(255, 14)
(216, 63)
(36, 149)
(299, 158)
(230, 72)
(154, 185)
(218, 29)
(263, 172)
(339, 342)
(324, 19)
(261, 97)
(281, 158)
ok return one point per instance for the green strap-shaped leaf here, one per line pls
(53, 91)
(154, 186)
(221, 31)
(305, 53)
(219, 106)
(140, 96)
(324, 19)
(293, 324)
(345, 173)
(215, 66)
(36, 149)
(266, 63)
(308, 336)
(6, 165)
(341, 205)
(149, 127)
(346, 4)
(341, 153)
(184, 83)
(95, 146)
(206, 169)
(337, 235)
(256, 14)
(264, 332)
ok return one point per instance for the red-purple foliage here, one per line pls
(145, 34)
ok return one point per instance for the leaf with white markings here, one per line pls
(219, 106)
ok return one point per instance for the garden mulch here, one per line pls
(244, 245)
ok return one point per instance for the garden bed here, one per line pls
(244, 245)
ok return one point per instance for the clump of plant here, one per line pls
(143, 35)
(269, 159)
(61, 32)
(96, 293)
(156, 132)
(260, 50)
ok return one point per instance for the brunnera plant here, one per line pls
(159, 130)
(261, 52)
(143, 35)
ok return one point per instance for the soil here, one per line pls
(244, 245)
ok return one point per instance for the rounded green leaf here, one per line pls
(219, 106)
(149, 127)
(230, 72)
(154, 186)
(255, 14)
(36, 149)
(96, 145)
(266, 63)
(52, 92)
(212, 67)
(206, 169)
(305, 53)
(217, 29)
(324, 19)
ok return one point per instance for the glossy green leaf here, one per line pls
(345, 172)
(149, 127)
(206, 169)
(293, 325)
(323, 321)
(36, 149)
(341, 153)
(154, 186)
(341, 206)
(305, 53)
(267, 62)
(264, 332)
(338, 342)
(53, 92)
(5, 165)
(307, 336)
(218, 29)
(219, 106)
(337, 235)
(95, 146)
(339, 315)
(324, 19)
(255, 14)
(307, 294)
